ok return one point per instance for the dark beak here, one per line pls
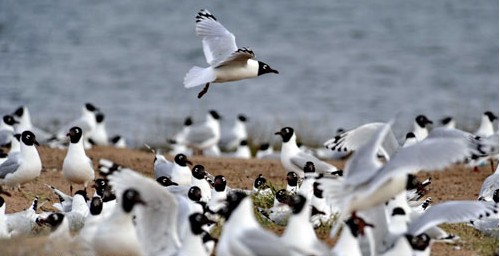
(274, 71)
(36, 142)
(189, 162)
(278, 133)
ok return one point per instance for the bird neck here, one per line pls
(486, 126)
(76, 148)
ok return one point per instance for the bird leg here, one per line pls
(360, 223)
(203, 91)
(492, 164)
(71, 188)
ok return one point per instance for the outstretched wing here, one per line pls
(218, 42)
(451, 212)
(157, 221)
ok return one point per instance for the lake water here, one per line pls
(341, 63)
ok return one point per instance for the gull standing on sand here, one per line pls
(227, 61)
(23, 166)
(77, 166)
(293, 159)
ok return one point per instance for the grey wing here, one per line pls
(156, 222)
(480, 146)
(199, 134)
(364, 163)
(218, 42)
(10, 165)
(321, 167)
(238, 57)
(262, 242)
(451, 212)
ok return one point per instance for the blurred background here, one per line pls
(341, 63)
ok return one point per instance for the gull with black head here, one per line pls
(77, 166)
(227, 61)
(23, 166)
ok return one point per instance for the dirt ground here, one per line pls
(455, 183)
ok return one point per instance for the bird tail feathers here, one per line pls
(198, 76)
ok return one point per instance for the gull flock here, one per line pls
(375, 205)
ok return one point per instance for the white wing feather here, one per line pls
(451, 212)
(218, 42)
(431, 154)
(157, 221)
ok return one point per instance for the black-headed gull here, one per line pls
(161, 206)
(294, 159)
(238, 133)
(99, 135)
(299, 234)
(369, 182)
(420, 127)
(193, 240)
(23, 166)
(199, 179)
(242, 234)
(117, 234)
(22, 115)
(417, 241)
(177, 171)
(448, 122)
(206, 135)
(486, 128)
(86, 122)
(280, 211)
(227, 61)
(22, 223)
(77, 166)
